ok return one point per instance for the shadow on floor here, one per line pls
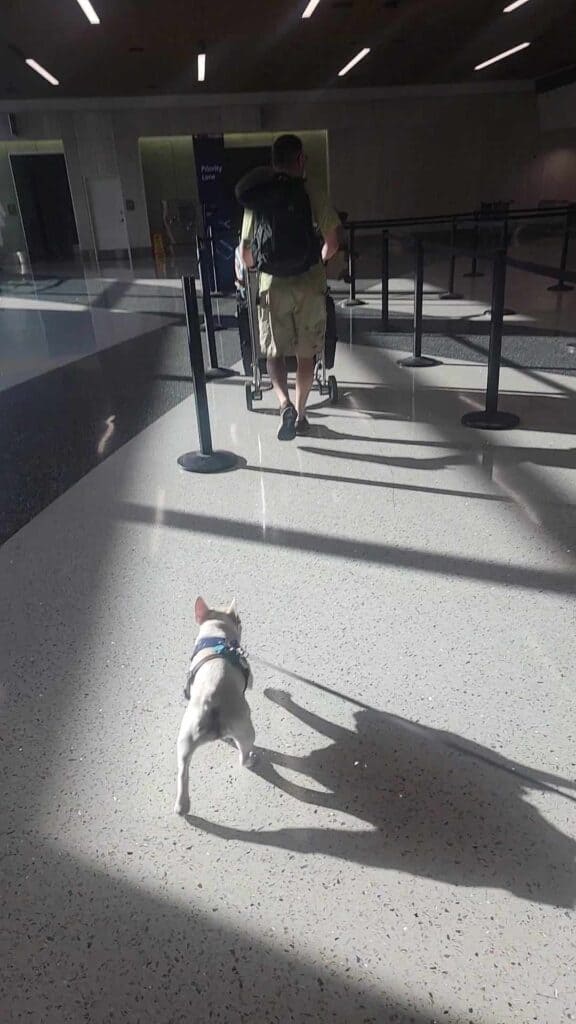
(562, 458)
(489, 571)
(435, 805)
(105, 949)
(552, 412)
(386, 485)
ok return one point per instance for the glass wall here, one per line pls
(169, 176)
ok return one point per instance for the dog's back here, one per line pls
(217, 700)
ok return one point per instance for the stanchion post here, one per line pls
(206, 460)
(450, 293)
(216, 294)
(215, 370)
(417, 359)
(385, 275)
(352, 300)
(505, 231)
(474, 272)
(491, 418)
(561, 286)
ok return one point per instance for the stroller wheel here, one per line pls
(249, 397)
(333, 390)
(318, 375)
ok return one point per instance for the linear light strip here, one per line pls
(41, 71)
(201, 67)
(355, 60)
(89, 11)
(501, 56)
(514, 6)
(310, 8)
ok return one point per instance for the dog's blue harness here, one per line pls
(218, 647)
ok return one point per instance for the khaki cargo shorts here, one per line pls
(292, 317)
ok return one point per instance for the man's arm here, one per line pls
(246, 236)
(246, 253)
(327, 220)
(331, 244)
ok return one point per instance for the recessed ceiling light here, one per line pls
(89, 11)
(513, 6)
(310, 8)
(355, 60)
(202, 66)
(501, 56)
(41, 71)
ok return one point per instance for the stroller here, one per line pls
(254, 365)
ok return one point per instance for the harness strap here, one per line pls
(228, 655)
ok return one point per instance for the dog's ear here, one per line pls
(201, 610)
(232, 610)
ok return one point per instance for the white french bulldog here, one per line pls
(218, 678)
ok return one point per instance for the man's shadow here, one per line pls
(436, 806)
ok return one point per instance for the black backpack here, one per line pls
(285, 243)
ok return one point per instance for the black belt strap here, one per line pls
(193, 671)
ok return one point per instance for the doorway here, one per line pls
(41, 182)
(108, 217)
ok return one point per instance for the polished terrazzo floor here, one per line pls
(91, 356)
(404, 851)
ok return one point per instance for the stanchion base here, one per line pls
(419, 361)
(446, 296)
(491, 420)
(560, 288)
(218, 462)
(352, 302)
(219, 373)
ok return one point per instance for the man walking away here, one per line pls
(289, 231)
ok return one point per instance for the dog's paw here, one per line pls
(251, 760)
(182, 807)
(281, 697)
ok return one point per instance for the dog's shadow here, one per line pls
(437, 807)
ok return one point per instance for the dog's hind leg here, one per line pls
(185, 748)
(243, 735)
(190, 737)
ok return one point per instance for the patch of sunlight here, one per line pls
(47, 306)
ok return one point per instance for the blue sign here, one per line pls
(209, 158)
(217, 208)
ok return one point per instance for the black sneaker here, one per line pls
(287, 428)
(302, 426)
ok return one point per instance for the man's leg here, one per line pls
(304, 380)
(279, 377)
(310, 321)
(277, 336)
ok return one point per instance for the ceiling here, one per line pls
(148, 47)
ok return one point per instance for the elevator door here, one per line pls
(45, 203)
